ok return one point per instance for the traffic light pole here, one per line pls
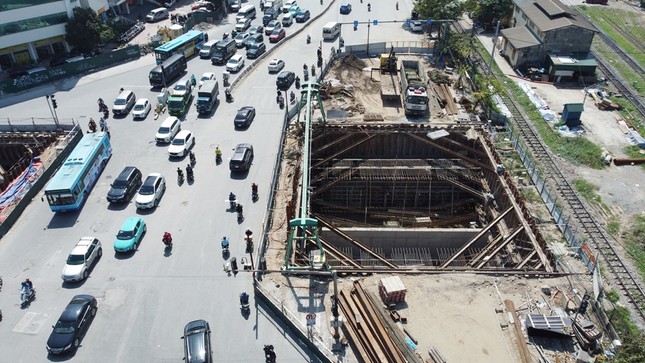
(52, 110)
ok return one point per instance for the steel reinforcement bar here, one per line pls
(590, 229)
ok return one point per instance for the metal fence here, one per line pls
(87, 65)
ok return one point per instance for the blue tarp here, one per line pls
(19, 187)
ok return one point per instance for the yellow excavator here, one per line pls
(388, 62)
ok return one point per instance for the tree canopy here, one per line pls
(439, 9)
(488, 12)
(85, 30)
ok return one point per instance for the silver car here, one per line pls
(86, 252)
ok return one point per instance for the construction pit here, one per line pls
(425, 202)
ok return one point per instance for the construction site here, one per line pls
(432, 240)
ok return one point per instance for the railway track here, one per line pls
(590, 230)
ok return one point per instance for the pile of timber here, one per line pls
(445, 98)
(375, 338)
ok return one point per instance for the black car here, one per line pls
(242, 158)
(197, 342)
(303, 16)
(125, 185)
(244, 117)
(72, 324)
(285, 80)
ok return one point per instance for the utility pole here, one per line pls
(492, 54)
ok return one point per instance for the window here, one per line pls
(6, 5)
(33, 23)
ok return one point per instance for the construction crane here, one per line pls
(304, 229)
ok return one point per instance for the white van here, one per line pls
(207, 49)
(168, 129)
(331, 30)
(247, 11)
(157, 14)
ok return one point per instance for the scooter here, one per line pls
(218, 159)
(27, 296)
(240, 216)
(229, 96)
(254, 192)
(180, 176)
(308, 39)
(244, 302)
(297, 82)
(225, 245)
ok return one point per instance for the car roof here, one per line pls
(181, 134)
(82, 246)
(151, 179)
(237, 57)
(126, 172)
(196, 324)
(130, 223)
(73, 309)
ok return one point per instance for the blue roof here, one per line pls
(169, 46)
(130, 223)
(69, 172)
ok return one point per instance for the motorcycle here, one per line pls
(281, 102)
(180, 176)
(232, 201)
(191, 155)
(308, 39)
(254, 192)
(229, 96)
(218, 159)
(369, 7)
(269, 354)
(244, 302)
(167, 240)
(106, 113)
(190, 176)
(27, 296)
(297, 82)
(225, 245)
(240, 215)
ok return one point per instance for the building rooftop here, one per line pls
(552, 14)
(520, 37)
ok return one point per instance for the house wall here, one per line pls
(568, 39)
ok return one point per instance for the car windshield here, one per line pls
(75, 259)
(233, 61)
(178, 141)
(147, 190)
(164, 130)
(125, 234)
(119, 102)
(120, 184)
(180, 87)
(240, 36)
(276, 32)
(64, 327)
(205, 78)
(174, 104)
(139, 107)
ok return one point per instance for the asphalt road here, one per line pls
(147, 297)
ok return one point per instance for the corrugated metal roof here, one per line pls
(520, 37)
(538, 12)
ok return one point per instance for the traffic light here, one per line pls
(54, 103)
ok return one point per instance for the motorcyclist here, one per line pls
(218, 154)
(232, 199)
(239, 210)
(191, 155)
(244, 298)
(297, 82)
(167, 238)
(229, 96)
(225, 243)
(102, 124)
(308, 38)
(28, 285)
(292, 97)
(189, 171)
(92, 125)
(254, 189)
(369, 7)
(313, 70)
(180, 173)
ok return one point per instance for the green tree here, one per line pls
(85, 30)
(439, 9)
(488, 12)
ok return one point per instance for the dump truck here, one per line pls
(414, 89)
(178, 105)
(207, 96)
(389, 78)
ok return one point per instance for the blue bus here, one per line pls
(185, 44)
(69, 187)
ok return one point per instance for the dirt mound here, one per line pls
(352, 61)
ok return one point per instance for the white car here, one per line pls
(235, 63)
(151, 191)
(416, 26)
(240, 38)
(141, 109)
(208, 76)
(242, 24)
(276, 65)
(287, 5)
(87, 251)
(180, 145)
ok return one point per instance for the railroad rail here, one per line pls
(589, 227)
